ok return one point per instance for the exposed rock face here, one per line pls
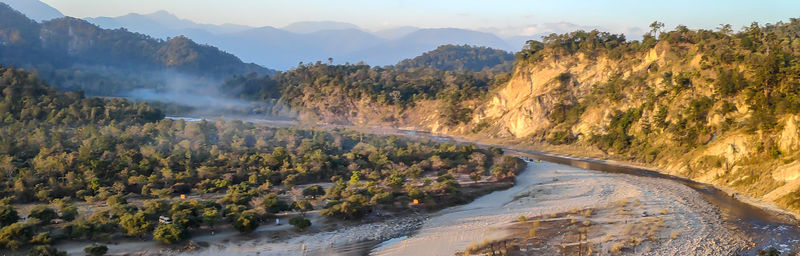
(790, 139)
(665, 97)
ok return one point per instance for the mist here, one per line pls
(186, 95)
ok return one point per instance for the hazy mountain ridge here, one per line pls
(34, 9)
(70, 47)
(310, 41)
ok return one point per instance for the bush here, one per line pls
(43, 213)
(169, 233)
(69, 213)
(136, 224)
(42, 238)
(46, 250)
(15, 235)
(246, 222)
(8, 215)
(96, 250)
(300, 222)
(272, 204)
(116, 200)
(313, 191)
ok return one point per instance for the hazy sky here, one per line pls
(373, 14)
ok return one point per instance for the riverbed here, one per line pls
(695, 218)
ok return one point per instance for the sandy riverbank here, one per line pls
(691, 226)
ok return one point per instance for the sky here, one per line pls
(512, 15)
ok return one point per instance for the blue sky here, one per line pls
(615, 15)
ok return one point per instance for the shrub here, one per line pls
(246, 222)
(300, 222)
(96, 250)
(169, 233)
(46, 250)
(43, 213)
(313, 191)
(8, 215)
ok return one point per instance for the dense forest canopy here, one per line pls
(461, 58)
(62, 148)
(319, 87)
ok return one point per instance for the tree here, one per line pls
(211, 216)
(117, 199)
(725, 29)
(313, 191)
(272, 204)
(69, 212)
(8, 215)
(303, 206)
(475, 176)
(136, 224)
(396, 180)
(246, 222)
(96, 250)
(169, 233)
(43, 213)
(655, 28)
(300, 222)
(355, 178)
(15, 235)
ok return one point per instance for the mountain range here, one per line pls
(74, 54)
(311, 41)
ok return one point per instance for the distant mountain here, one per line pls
(306, 27)
(461, 58)
(283, 48)
(74, 54)
(163, 24)
(424, 40)
(395, 33)
(34, 9)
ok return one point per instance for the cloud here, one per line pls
(536, 31)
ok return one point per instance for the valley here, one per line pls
(398, 129)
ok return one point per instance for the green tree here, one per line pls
(211, 216)
(272, 204)
(16, 235)
(355, 178)
(69, 212)
(169, 233)
(116, 200)
(136, 224)
(475, 176)
(303, 206)
(8, 215)
(396, 180)
(313, 191)
(43, 213)
(246, 222)
(300, 223)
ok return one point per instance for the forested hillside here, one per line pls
(461, 58)
(340, 93)
(74, 54)
(716, 106)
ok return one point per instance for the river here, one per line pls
(764, 228)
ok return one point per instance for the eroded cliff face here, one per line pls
(659, 108)
(729, 157)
